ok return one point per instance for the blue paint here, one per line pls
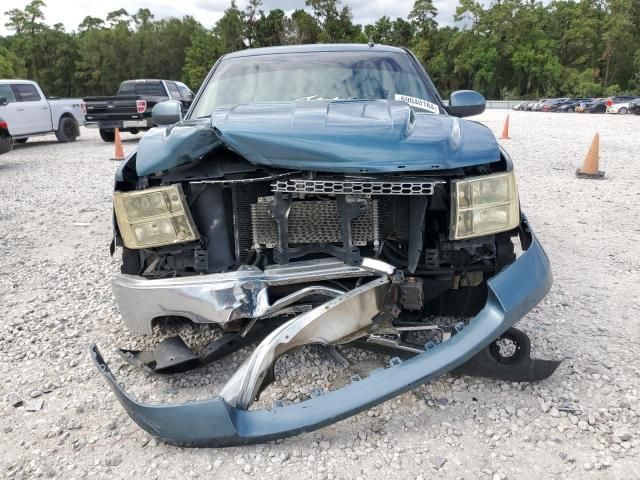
(165, 148)
(351, 136)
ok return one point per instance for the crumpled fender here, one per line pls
(163, 148)
(213, 423)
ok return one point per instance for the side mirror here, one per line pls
(166, 113)
(3, 101)
(464, 103)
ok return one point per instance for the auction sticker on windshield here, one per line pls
(418, 103)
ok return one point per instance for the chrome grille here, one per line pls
(356, 187)
(312, 221)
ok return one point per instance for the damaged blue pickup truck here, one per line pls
(322, 194)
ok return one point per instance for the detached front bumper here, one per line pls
(214, 423)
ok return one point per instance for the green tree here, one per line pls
(336, 25)
(271, 29)
(402, 33)
(423, 16)
(381, 31)
(619, 43)
(303, 28)
(230, 29)
(252, 16)
(203, 52)
(10, 65)
(504, 48)
(90, 23)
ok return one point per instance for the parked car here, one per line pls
(28, 112)
(5, 137)
(130, 109)
(634, 106)
(619, 108)
(571, 104)
(308, 199)
(551, 105)
(582, 106)
(601, 105)
(537, 106)
(521, 105)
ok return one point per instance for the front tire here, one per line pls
(108, 135)
(622, 111)
(67, 130)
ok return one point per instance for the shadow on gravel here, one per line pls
(41, 143)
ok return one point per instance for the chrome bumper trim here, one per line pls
(223, 297)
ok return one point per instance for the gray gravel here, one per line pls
(59, 420)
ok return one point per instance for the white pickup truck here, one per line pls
(27, 112)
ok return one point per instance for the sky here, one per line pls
(71, 12)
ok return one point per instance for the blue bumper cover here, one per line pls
(213, 423)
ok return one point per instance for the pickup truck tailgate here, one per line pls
(112, 108)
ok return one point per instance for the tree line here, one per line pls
(506, 49)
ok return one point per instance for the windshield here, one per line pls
(312, 76)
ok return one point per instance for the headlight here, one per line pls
(154, 217)
(484, 205)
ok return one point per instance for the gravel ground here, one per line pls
(583, 422)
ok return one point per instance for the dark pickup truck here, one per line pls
(130, 109)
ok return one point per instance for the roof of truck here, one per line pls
(319, 47)
(15, 80)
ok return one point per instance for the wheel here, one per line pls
(600, 109)
(107, 135)
(622, 111)
(21, 140)
(571, 110)
(510, 347)
(134, 131)
(67, 130)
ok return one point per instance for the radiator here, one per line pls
(313, 222)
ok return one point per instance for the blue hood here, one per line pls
(354, 136)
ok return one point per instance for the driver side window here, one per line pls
(7, 92)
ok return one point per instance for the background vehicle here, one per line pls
(634, 106)
(571, 104)
(130, 109)
(537, 106)
(619, 108)
(5, 138)
(582, 106)
(600, 106)
(28, 112)
(551, 105)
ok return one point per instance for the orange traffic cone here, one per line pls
(505, 130)
(590, 166)
(119, 150)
